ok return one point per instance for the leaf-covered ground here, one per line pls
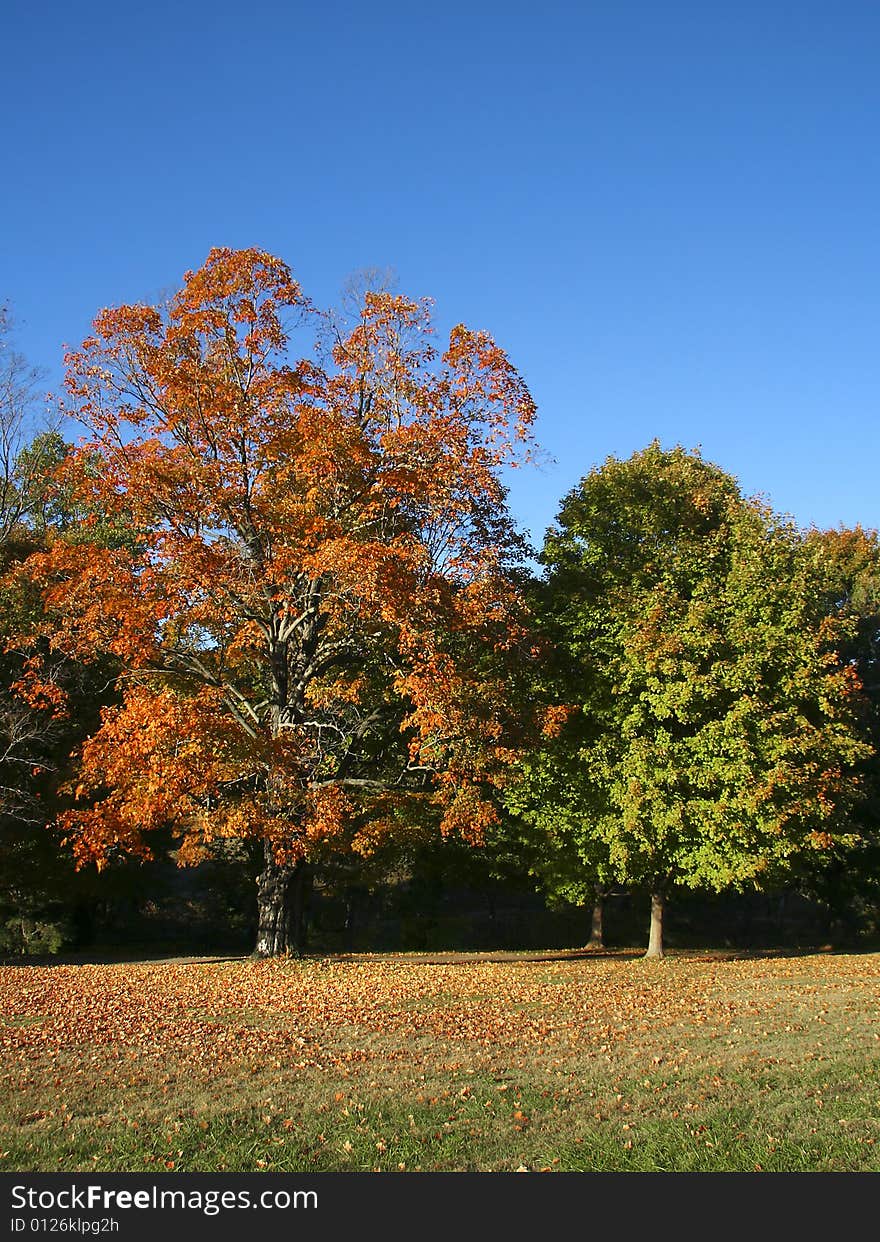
(584, 1062)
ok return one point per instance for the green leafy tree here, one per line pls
(709, 734)
(547, 829)
(847, 878)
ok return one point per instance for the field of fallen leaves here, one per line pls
(567, 1062)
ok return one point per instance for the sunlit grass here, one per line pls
(583, 1064)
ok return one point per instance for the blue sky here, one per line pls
(667, 213)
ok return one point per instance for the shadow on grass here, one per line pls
(514, 956)
(133, 955)
(117, 957)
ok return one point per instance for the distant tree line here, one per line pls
(270, 621)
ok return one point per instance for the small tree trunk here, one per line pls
(299, 906)
(655, 939)
(780, 918)
(597, 939)
(281, 910)
(351, 904)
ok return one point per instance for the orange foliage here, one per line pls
(554, 718)
(314, 599)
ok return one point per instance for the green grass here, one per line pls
(682, 1065)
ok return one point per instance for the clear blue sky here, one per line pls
(668, 213)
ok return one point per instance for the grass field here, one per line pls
(567, 1062)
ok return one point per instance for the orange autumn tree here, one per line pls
(320, 584)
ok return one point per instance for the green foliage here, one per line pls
(847, 878)
(22, 935)
(715, 734)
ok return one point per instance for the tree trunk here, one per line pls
(281, 905)
(780, 918)
(302, 891)
(351, 910)
(655, 939)
(597, 939)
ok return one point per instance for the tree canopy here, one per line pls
(706, 721)
(272, 606)
(315, 544)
